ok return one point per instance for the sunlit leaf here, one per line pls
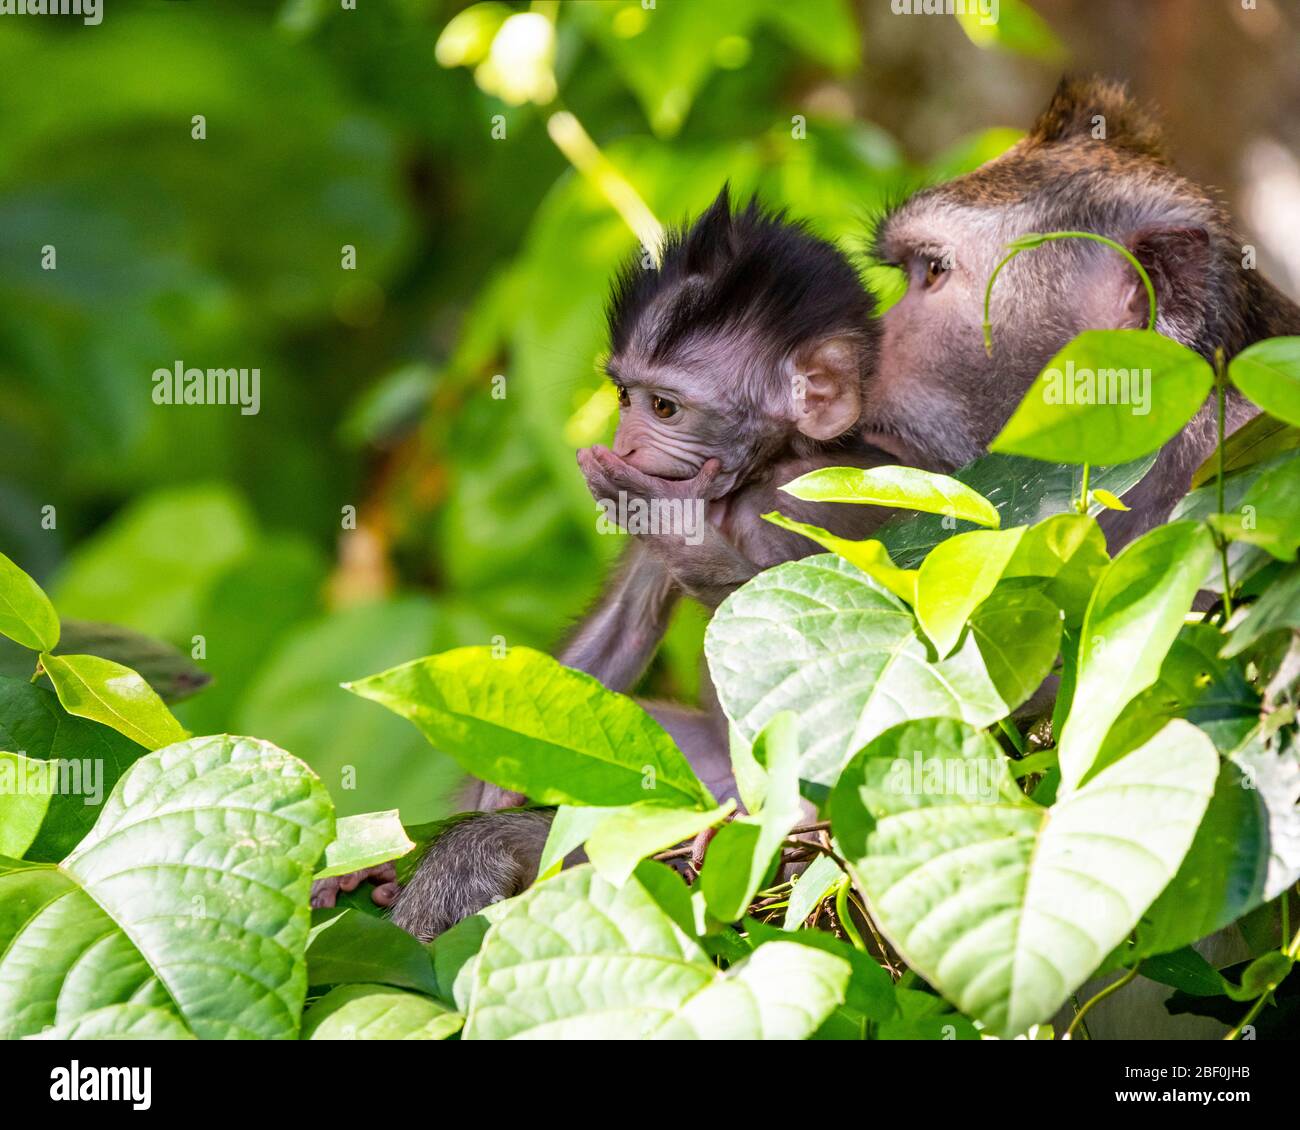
(1108, 396)
(908, 487)
(1005, 906)
(1269, 373)
(26, 614)
(524, 722)
(107, 692)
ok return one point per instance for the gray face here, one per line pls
(936, 398)
(715, 402)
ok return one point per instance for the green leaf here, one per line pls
(1194, 683)
(625, 837)
(119, 1022)
(1220, 879)
(1202, 505)
(26, 786)
(570, 827)
(578, 958)
(26, 614)
(1187, 970)
(171, 673)
(1273, 776)
(1013, 27)
(1269, 515)
(1278, 610)
(1017, 632)
(378, 1012)
(741, 854)
(1005, 906)
(1108, 500)
(1025, 491)
(1108, 396)
(1262, 975)
(810, 888)
(1136, 612)
(190, 894)
(528, 724)
(1255, 441)
(870, 993)
(956, 577)
(1069, 551)
(1269, 373)
(870, 556)
(349, 947)
(908, 487)
(365, 841)
(107, 692)
(820, 638)
(87, 758)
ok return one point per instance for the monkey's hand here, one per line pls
(325, 892)
(608, 476)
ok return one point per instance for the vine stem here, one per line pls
(1220, 380)
(1036, 239)
(1113, 987)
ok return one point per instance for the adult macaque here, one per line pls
(1094, 161)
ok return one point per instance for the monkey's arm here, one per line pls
(618, 638)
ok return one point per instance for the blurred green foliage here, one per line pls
(477, 256)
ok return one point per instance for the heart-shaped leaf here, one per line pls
(818, 637)
(577, 958)
(1005, 906)
(189, 895)
(526, 723)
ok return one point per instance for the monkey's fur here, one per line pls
(933, 398)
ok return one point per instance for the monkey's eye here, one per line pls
(623, 399)
(935, 269)
(663, 408)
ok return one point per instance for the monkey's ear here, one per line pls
(828, 400)
(1178, 261)
(1098, 109)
